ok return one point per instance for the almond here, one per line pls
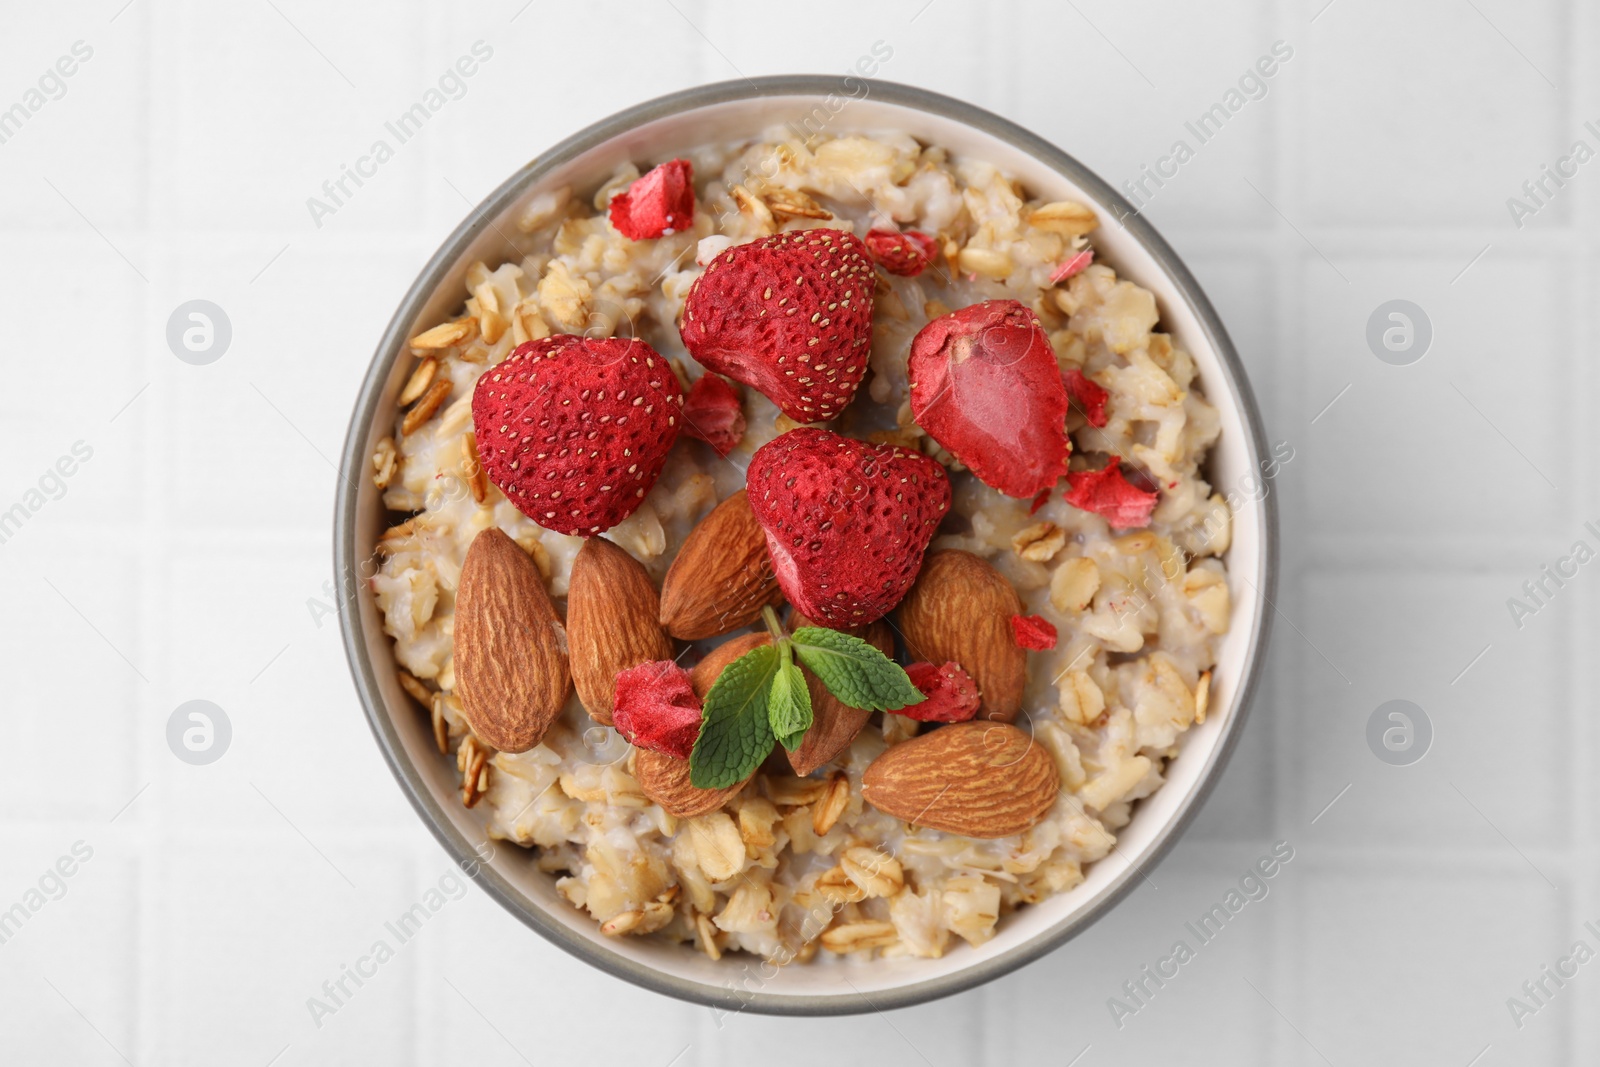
(510, 647)
(612, 613)
(833, 724)
(665, 780)
(722, 577)
(977, 779)
(706, 671)
(960, 609)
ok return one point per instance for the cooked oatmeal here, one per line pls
(791, 864)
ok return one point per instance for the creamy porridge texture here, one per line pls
(971, 449)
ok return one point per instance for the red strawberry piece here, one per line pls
(655, 707)
(985, 384)
(1108, 494)
(951, 692)
(1039, 501)
(789, 315)
(906, 254)
(1086, 396)
(846, 521)
(1034, 632)
(575, 430)
(1073, 264)
(657, 203)
(712, 413)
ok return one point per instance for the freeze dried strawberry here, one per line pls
(575, 430)
(790, 315)
(657, 203)
(655, 707)
(712, 413)
(1086, 396)
(951, 692)
(904, 253)
(1073, 264)
(1039, 501)
(846, 521)
(1108, 494)
(985, 384)
(1034, 632)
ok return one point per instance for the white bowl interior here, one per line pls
(1233, 464)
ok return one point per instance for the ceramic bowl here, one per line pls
(660, 129)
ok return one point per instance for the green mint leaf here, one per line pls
(735, 727)
(855, 672)
(790, 706)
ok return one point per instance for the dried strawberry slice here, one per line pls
(1072, 265)
(655, 707)
(1086, 396)
(1034, 632)
(951, 692)
(658, 203)
(905, 253)
(1108, 494)
(986, 385)
(712, 413)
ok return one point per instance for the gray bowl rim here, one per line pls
(352, 465)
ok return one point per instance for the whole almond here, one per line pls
(977, 779)
(834, 724)
(706, 671)
(722, 576)
(612, 622)
(665, 780)
(960, 609)
(510, 647)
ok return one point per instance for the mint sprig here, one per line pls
(735, 724)
(855, 672)
(790, 706)
(762, 696)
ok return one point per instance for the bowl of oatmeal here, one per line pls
(803, 535)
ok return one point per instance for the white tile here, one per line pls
(1434, 954)
(1077, 996)
(473, 147)
(247, 935)
(1429, 115)
(326, 296)
(1405, 449)
(1241, 806)
(75, 682)
(68, 968)
(86, 132)
(1247, 292)
(1407, 634)
(492, 961)
(1162, 87)
(237, 157)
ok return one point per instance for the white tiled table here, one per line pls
(186, 557)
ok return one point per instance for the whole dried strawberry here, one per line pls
(575, 430)
(951, 692)
(712, 413)
(985, 384)
(790, 315)
(657, 203)
(655, 707)
(1110, 495)
(905, 254)
(846, 521)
